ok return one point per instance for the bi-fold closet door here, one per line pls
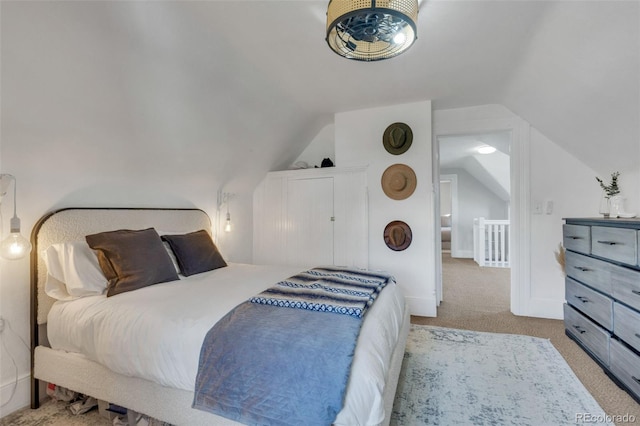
(312, 217)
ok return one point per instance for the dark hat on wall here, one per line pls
(397, 138)
(399, 181)
(397, 235)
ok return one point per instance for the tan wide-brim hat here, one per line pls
(397, 235)
(399, 181)
(397, 138)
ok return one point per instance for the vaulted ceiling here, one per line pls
(246, 85)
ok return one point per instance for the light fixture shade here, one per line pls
(371, 30)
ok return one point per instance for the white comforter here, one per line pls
(155, 333)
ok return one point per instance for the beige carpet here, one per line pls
(478, 299)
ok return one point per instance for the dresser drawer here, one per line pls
(627, 325)
(626, 285)
(595, 305)
(617, 244)
(625, 365)
(592, 337)
(577, 238)
(593, 272)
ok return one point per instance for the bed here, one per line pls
(68, 337)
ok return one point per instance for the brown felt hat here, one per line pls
(397, 235)
(399, 181)
(397, 138)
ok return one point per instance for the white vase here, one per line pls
(616, 206)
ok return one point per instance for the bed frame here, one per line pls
(90, 378)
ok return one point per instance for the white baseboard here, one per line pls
(545, 308)
(21, 398)
(463, 254)
(421, 306)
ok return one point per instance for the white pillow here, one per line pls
(73, 271)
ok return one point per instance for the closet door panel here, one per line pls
(351, 226)
(269, 222)
(309, 224)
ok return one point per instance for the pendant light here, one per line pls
(15, 246)
(371, 30)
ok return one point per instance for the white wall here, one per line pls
(322, 146)
(359, 142)
(557, 176)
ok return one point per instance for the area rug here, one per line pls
(459, 377)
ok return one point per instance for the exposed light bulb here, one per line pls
(400, 38)
(227, 226)
(15, 246)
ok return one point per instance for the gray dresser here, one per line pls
(602, 313)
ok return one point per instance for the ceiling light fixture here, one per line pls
(371, 30)
(486, 149)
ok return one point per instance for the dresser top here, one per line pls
(633, 223)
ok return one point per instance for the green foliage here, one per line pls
(611, 189)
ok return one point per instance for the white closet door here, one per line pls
(309, 227)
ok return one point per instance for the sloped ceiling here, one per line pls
(242, 87)
(492, 170)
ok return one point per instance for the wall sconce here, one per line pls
(225, 198)
(15, 246)
(227, 225)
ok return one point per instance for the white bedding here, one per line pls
(155, 333)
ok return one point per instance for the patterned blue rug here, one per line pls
(459, 377)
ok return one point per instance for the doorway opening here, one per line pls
(475, 206)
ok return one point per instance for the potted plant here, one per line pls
(608, 191)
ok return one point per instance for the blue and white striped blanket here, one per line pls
(327, 289)
(264, 364)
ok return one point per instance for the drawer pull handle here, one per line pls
(609, 243)
(636, 292)
(580, 329)
(571, 237)
(582, 268)
(637, 335)
(582, 299)
(636, 379)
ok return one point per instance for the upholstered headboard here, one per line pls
(73, 224)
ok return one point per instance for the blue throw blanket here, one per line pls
(328, 289)
(268, 365)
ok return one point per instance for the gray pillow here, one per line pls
(195, 252)
(132, 259)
